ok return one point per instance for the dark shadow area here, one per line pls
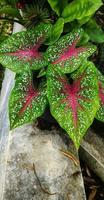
(98, 127)
(93, 185)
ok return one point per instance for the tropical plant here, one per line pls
(52, 66)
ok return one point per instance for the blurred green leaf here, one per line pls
(8, 10)
(56, 31)
(94, 31)
(84, 40)
(80, 9)
(12, 2)
(84, 20)
(58, 5)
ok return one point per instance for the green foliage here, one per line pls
(65, 77)
(73, 99)
(56, 31)
(20, 51)
(9, 2)
(80, 9)
(73, 105)
(100, 112)
(35, 13)
(58, 5)
(84, 40)
(94, 31)
(8, 10)
(26, 101)
(5, 29)
(64, 54)
(84, 20)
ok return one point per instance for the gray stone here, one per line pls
(55, 177)
(92, 152)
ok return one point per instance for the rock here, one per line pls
(92, 152)
(38, 170)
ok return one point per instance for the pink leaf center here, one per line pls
(72, 96)
(28, 53)
(70, 52)
(30, 96)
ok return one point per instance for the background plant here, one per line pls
(52, 65)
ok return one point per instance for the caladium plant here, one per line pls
(21, 51)
(65, 55)
(27, 102)
(68, 81)
(73, 103)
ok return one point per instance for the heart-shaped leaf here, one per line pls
(26, 102)
(100, 112)
(21, 50)
(64, 54)
(73, 105)
(79, 9)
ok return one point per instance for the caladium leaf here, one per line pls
(100, 112)
(79, 9)
(26, 102)
(64, 54)
(73, 105)
(21, 50)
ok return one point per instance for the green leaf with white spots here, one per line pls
(56, 31)
(65, 55)
(76, 74)
(73, 105)
(80, 9)
(26, 101)
(100, 112)
(21, 51)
